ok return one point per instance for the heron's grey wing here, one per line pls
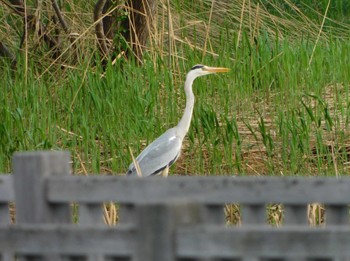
(158, 155)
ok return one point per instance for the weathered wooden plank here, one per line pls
(213, 214)
(29, 172)
(127, 214)
(156, 225)
(95, 257)
(209, 190)
(90, 214)
(113, 258)
(337, 215)
(253, 214)
(7, 256)
(4, 214)
(295, 215)
(286, 242)
(6, 188)
(67, 240)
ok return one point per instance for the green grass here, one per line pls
(274, 113)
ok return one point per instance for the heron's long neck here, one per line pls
(185, 121)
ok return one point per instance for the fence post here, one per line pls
(6, 196)
(295, 215)
(156, 226)
(213, 214)
(30, 170)
(254, 214)
(91, 214)
(337, 215)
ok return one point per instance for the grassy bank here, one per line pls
(282, 110)
(277, 111)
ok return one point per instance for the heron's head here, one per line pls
(200, 70)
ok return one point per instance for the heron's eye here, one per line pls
(197, 66)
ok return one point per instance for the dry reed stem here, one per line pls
(110, 214)
(208, 29)
(260, 16)
(136, 164)
(79, 88)
(319, 32)
(240, 25)
(85, 32)
(26, 44)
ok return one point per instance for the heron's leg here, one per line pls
(165, 172)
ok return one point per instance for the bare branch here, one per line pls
(42, 32)
(18, 7)
(99, 27)
(59, 16)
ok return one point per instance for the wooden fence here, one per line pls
(178, 218)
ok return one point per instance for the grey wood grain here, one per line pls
(156, 226)
(127, 214)
(208, 190)
(95, 257)
(30, 169)
(29, 172)
(295, 215)
(7, 256)
(67, 240)
(4, 214)
(253, 214)
(90, 214)
(6, 188)
(298, 241)
(337, 215)
(213, 214)
(160, 217)
(113, 258)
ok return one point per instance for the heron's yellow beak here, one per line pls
(216, 69)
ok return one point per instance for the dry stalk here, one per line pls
(136, 164)
(25, 37)
(31, 22)
(110, 214)
(319, 32)
(208, 28)
(240, 24)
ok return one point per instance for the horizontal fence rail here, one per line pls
(220, 242)
(67, 240)
(178, 218)
(208, 190)
(197, 242)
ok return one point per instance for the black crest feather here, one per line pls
(197, 66)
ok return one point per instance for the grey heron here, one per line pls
(159, 155)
